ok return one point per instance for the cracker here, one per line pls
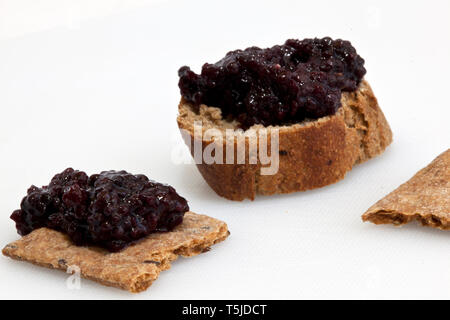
(134, 268)
(425, 198)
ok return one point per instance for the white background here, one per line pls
(93, 85)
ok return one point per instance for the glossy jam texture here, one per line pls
(110, 209)
(279, 85)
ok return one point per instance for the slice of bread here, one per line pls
(312, 154)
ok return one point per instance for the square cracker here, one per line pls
(135, 267)
(425, 198)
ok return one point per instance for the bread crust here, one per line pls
(313, 154)
(133, 268)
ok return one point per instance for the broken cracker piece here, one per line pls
(135, 267)
(425, 198)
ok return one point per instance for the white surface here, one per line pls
(97, 89)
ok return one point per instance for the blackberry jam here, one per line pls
(280, 85)
(111, 209)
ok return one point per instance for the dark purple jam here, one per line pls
(279, 85)
(110, 209)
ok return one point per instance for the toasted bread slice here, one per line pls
(424, 198)
(135, 267)
(312, 154)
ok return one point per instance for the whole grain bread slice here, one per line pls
(312, 154)
(424, 198)
(134, 268)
